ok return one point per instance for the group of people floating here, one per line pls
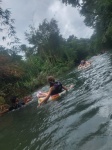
(56, 87)
(15, 104)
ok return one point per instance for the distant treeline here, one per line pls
(50, 53)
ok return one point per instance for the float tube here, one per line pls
(84, 67)
(54, 97)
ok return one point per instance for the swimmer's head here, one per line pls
(83, 62)
(50, 79)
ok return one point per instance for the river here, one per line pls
(81, 120)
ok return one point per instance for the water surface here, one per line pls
(81, 120)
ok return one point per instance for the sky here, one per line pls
(33, 12)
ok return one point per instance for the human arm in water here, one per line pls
(65, 88)
(87, 63)
(47, 96)
(42, 94)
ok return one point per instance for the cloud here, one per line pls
(27, 12)
(70, 21)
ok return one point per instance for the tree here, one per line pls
(45, 40)
(98, 15)
(75, 3)
(6, 23)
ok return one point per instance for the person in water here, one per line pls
(15, 104)
(83, 64)
(27, 99)
(55, 88)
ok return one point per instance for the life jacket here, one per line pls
(57, 87)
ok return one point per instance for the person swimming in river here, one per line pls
(15, 104)
(84, 64)
(56, 87)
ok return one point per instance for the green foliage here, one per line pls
(46, 40)
(2, 100)
(50, 54)
(11, 72)
(7, 23)
(98, 15)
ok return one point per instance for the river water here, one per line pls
(81, 120)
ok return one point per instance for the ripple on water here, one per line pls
(80, 120)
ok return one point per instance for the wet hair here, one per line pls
(50, 79)
(83, 62)
(13, 99)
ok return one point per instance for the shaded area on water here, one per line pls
(80, 120)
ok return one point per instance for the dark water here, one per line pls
(81, 120)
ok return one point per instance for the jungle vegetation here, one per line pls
(49, 53)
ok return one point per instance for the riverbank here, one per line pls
(26, 86)
(78, 120)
